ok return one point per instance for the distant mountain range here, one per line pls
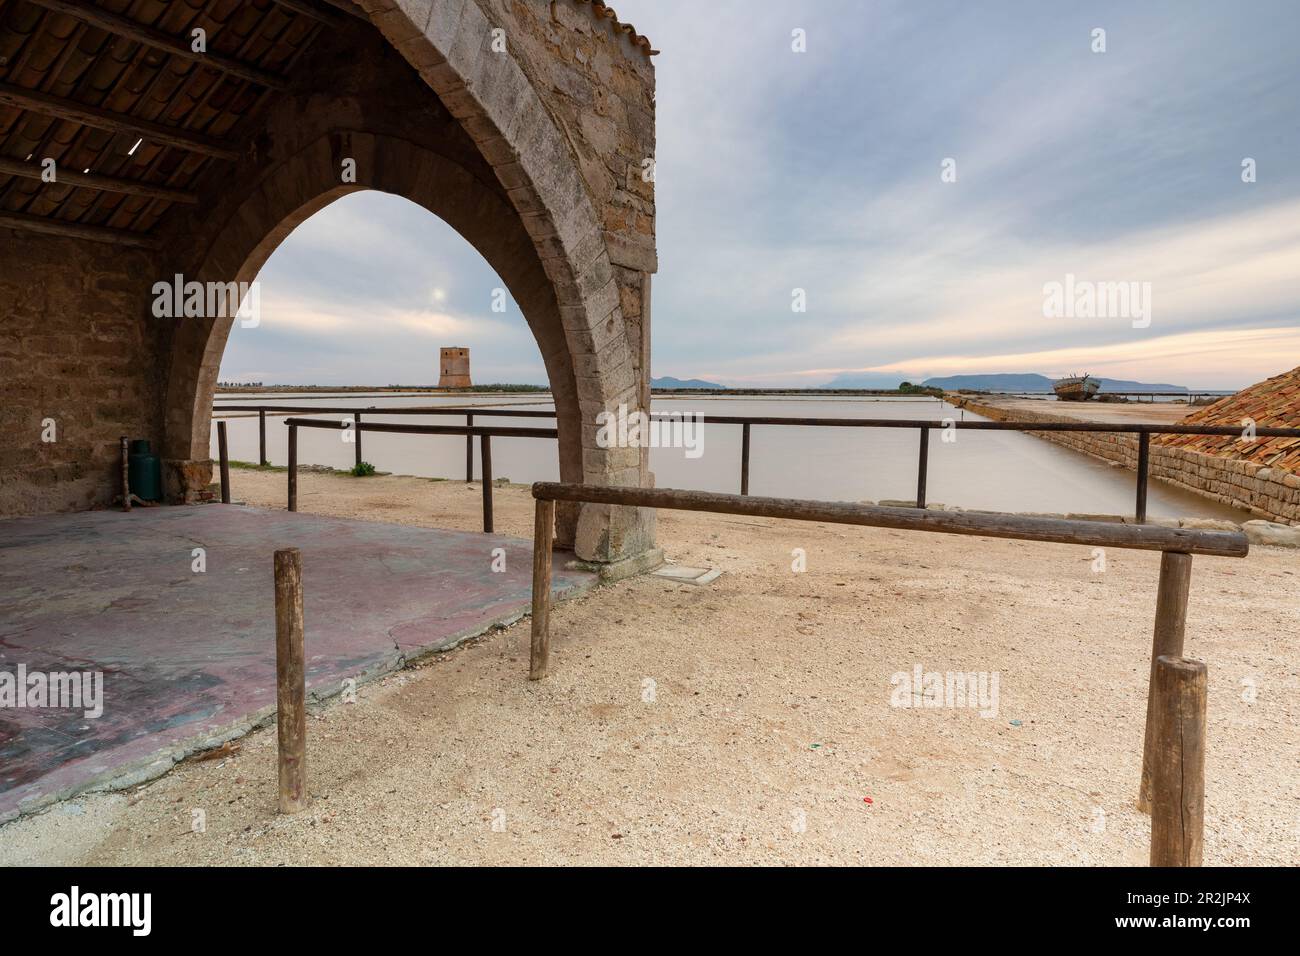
(669, 382)
(1003, 382)
(1038, 383)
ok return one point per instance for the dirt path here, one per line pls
(749, 720)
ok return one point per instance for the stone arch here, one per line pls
(490, 93)
(308, 181)
(522, 202)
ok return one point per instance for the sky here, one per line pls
(919, 175)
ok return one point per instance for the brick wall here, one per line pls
(77, 345)
(1269, 493)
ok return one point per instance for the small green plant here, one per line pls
(907, 388)
(362, 469)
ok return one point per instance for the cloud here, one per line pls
(820, 171)
(1256, 353)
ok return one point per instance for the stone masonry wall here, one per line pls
(78, 343)
(598, 82)
(76, 347)
(595, 77)
(1269, 493)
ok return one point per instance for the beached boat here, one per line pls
(1075, 388)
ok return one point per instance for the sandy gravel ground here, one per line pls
(749, 721)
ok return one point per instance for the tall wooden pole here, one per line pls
(261, 437)
(469, 449)
(1171, 623)
(543, 535)
(293, 467)
(485, 453)
(223, 453)
(126, 474)
(356, 436)
(290, 681)
(922, 467)
(1143, 470)
(744, 458)
(1178, 772)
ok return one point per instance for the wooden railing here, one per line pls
(484, 435)
(356, 414)
(1172, 787)
(1144, 431)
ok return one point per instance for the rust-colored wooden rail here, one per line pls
(1230, 544)
(1177, 545)
(1144, 431)
(485, 434)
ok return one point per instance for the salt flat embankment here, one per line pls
(1271, 494)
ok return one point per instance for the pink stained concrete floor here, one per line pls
(188, 658)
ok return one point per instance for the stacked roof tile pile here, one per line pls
(1274, 403)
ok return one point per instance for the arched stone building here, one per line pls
(528, 127)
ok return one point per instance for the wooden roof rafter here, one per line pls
(62, 108)
(331, 19)
(161, 40)
(72, 71)
(130, 187)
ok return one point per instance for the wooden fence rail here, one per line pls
(485, 434)
(1177, 838)
(1143, 430)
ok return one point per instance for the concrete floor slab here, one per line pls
(188, 656)
(684, 575)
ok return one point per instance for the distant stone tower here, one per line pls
(455, 369)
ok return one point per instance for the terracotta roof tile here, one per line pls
(1273, 403)
(600, 9)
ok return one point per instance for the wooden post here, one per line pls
(1178, 774)
(469, 449)
(356, 436)
(543, 535)
(744, 458)
(261, 437)
(1144, 459)
(293, 467)
(922, 467)
(126, 473)
(1171, 622)
(290, 681)
(223, 453)
(485, 452)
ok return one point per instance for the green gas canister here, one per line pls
(144, 471)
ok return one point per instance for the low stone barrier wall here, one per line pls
(1269, 493)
